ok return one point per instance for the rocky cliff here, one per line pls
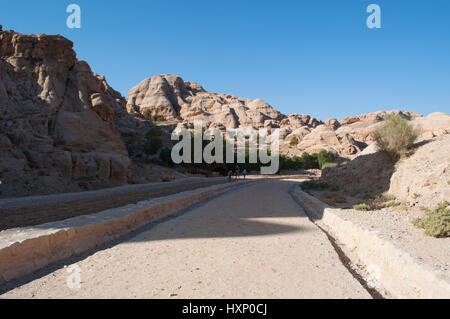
(62, 127)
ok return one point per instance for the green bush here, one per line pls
(325, 157)
(147, 114)
(437, 222)
(396, 136)
(362, 207)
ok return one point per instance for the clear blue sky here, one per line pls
(315, 57)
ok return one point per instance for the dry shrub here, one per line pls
(396, 136)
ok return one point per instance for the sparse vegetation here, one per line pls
(294, 141)
(158, 118)
(388, 198)
(396, 136)
(306, 161)
(362, 207)
(437, 222)
(326, 158)
(393, 204)
(147, 114)
(416, 196)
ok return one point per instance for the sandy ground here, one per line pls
(252, 242)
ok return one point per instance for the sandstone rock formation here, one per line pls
(421, 179)
(169, 98)
(60, 123)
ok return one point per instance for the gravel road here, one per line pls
(251, 242)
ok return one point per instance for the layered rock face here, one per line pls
(173, 100)
(57, 120)
(169, 98)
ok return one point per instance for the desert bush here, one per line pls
(158, 118)
(325, 157)
(294, 141)
(437, 222)
(147, 114)
(395, 136)
(362, 207)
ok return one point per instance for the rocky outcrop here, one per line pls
(429, 184)
(58, 127)
(420, 179)
(170, 99)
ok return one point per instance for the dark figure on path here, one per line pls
(237, 172)
(244, 172)
(230, 175)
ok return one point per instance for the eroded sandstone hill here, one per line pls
(170, 99)
(62, 127)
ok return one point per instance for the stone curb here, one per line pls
(24, 251)
(400, 274)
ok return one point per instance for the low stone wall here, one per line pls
(36, 210)
(401, 274)
(26, 250)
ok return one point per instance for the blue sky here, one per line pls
(314, 57)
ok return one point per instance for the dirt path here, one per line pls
(253, 242)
